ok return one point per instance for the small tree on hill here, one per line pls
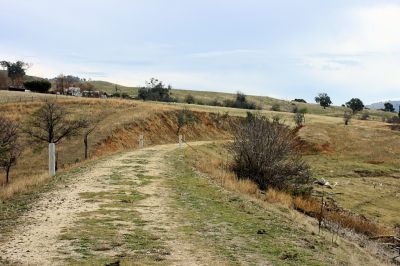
(15, 71)
(42, 86)
(9, 146)
(355, 105)
(388, 107)
(324, 100)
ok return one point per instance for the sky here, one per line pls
(283, 49)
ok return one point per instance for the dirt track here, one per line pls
(37, 241)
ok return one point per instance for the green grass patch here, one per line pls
(231, 225)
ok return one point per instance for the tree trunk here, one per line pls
(85, 140)
(7, 174)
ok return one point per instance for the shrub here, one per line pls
(155, 90)
(364, 116)
(189, 99)
(265, 152)
(299, 119)
(393, 120)
(299, 100)
(41, 86)
(294, 109)
(185, 117)
(276, 107)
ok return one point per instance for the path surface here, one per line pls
(37, 241)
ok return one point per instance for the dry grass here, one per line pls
(21, 185)
(345, 219)
(276, 196)
(209, 160)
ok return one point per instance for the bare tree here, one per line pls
(266, 152)
(90, 126)
(51, 123)
(9, 146)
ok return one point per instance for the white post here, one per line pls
(141, 142)
(52, 159)
(180, 141)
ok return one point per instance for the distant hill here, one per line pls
(380, 105)
(205, 97)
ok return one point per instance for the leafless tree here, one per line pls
(51, 123)
(9, 146)
(266, 152)
(90, 126)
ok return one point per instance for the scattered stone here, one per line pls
(261, 231)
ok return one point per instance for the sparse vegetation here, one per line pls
(185, 117)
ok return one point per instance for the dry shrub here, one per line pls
(266, 152)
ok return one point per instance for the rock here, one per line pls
(261, 232)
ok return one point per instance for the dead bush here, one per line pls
(265, 151)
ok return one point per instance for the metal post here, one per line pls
(52, 159)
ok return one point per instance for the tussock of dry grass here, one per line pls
(21, 185)
(276, 196)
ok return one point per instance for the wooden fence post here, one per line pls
(141, 141)
(180, 141)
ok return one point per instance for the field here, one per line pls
(361, 157)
